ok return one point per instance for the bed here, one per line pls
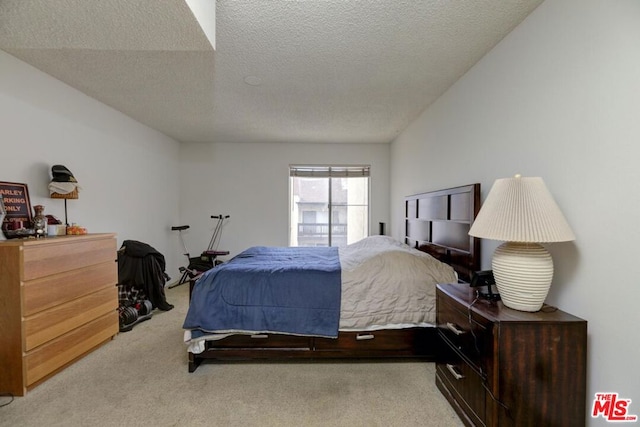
(372, 299)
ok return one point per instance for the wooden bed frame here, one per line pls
(436, 222)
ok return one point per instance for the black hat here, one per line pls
(62, 174)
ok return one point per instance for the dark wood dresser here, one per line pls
(502, 367)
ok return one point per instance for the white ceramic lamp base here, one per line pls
(523, 273)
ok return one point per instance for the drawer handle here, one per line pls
(457, 375)
(362, 337)
(259, 336)
(453, 327)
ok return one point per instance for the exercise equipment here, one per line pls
(207, 259)
(131, 315)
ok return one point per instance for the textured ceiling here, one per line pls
(283, 70)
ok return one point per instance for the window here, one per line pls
(329, 205)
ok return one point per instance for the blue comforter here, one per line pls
(268, 289)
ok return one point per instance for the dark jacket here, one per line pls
(142, 267)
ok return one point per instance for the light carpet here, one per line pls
(141, 378)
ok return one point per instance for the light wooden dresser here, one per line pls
(58, 302)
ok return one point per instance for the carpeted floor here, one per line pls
(141, 378)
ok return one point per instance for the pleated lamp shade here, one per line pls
(522, 212)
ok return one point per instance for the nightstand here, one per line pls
(502, 367)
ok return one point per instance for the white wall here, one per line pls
(250, 182)
(559, 98)
(128, 172)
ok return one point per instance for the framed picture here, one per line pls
(16, 204)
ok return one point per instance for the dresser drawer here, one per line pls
(262, 341)
(369, 340)
(57, 256)
(50, 324)
(463, 331)
(46, 292)
(464, 384)
(56, 354)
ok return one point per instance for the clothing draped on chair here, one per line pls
(141, 274)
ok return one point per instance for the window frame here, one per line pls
(329, 172)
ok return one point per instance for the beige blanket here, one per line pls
(387, 284)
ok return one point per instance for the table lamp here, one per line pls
(63, 186)
(522, 212)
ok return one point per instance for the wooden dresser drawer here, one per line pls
(65, 255)
(463, 331)
(49, 357)
(47, 325)
(369, 340)
(262, 341)
(43, 293)
(465, 385)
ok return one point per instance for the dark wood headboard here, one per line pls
(438, 223)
